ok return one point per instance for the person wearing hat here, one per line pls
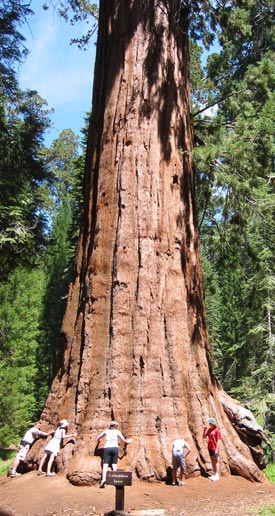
(30, 436)
(110, 451)
(213, 435)
(52, 448)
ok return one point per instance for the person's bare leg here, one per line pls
(41, 464)
(104, 474)
(215, 468)
(49, 467)
(181, 476)
(13, 472)
(15, 465)
(174, 476)
(214, 461)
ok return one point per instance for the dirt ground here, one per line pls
(30, 495)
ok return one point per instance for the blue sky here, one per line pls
(60, 73)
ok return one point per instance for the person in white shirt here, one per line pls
(110, 451)
(178, 460)
(30, 436)
(53, 447)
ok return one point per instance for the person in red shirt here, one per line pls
(213, 435)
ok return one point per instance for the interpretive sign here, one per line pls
(119, 479)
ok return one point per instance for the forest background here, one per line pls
(233, 107)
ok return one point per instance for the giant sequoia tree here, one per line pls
(134, 334)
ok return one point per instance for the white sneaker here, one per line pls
(15, 474)
(215, 477)
(181, 483)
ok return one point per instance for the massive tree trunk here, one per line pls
(134, 333)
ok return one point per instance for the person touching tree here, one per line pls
(53, 447)
(178, 460)
(110, 453)
(30, 436)
(214, 437)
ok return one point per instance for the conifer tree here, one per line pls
(235, 187)
(21, 309)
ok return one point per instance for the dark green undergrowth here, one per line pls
(6, 459)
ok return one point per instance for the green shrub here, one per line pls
(270, 473)
(6, 460)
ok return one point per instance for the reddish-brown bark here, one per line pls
(134, 333)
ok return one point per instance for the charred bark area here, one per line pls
(135, 337)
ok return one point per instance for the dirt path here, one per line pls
(30, 495)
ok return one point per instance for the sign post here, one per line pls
(119, 479)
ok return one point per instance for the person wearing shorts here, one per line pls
(213, 435)
(110, 451)
(30, 436)
(178, 460)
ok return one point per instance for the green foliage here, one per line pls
(77, 199)
(38, 209)
(202, 21)
(4, 467)
(59, 161)
(7, 457)
(63, 204)
(20, 318)
(58, 266)
(33, 302)
(270, 472)
(22, 222)
(79, 11)
(263, 511)
(12, 48)
(234, 173)
(23, 120)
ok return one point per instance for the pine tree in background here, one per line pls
(30, 365)
(21, 311)
(36, 205)
(61, 160)
(22, 173)
(235, 195)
